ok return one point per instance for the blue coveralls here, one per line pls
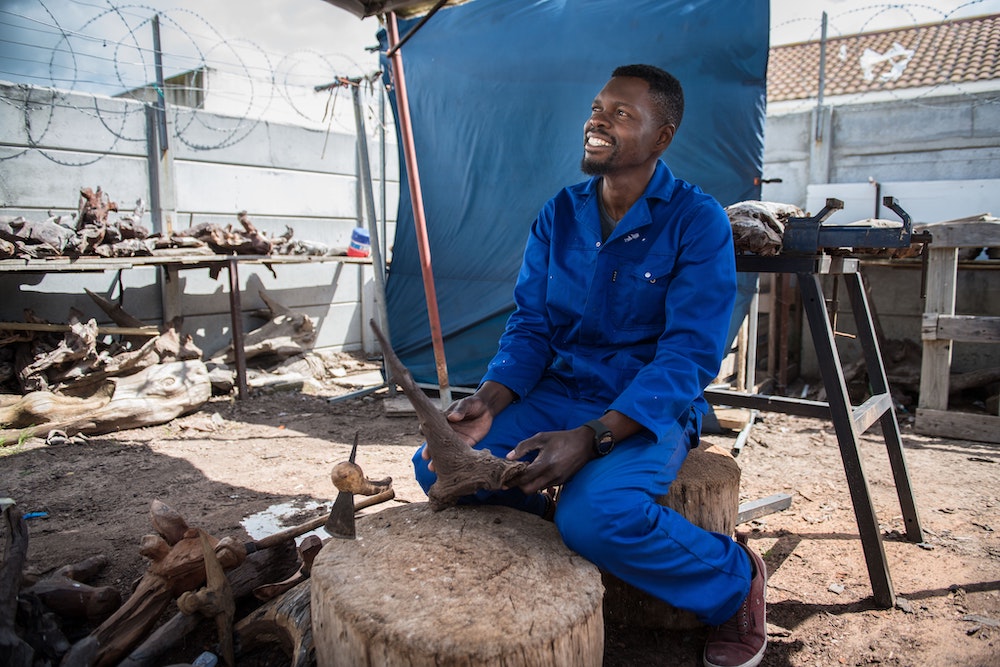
(635, 324)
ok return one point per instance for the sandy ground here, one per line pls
(224, 466)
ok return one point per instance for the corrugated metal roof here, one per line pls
(959, 51)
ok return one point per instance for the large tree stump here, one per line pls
(463, 586)
(707, 493)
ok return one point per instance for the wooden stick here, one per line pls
(124, 331)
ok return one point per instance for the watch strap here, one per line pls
(601, 433)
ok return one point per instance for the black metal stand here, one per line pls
(849, 421)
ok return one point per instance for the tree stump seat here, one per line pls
(706, 493)
(463, 586)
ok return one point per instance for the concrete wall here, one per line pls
(54, 143)
(939, 156)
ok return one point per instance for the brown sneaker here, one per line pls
(740, 641)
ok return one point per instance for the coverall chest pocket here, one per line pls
(643, 293)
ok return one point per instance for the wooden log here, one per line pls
(259, 567)
(470, 586)
(707, 493)
(67, 593)
(154, 395)
(285, 621)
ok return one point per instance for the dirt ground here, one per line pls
(235, 459)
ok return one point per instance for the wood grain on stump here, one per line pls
(707, 493)
(463, 586)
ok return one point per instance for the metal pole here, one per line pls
(822, 80)
(161, 99)
(382, 177)
(419, 220)
(366, 188)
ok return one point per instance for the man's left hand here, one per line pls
(560, 455)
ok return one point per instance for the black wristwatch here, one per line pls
(604, 440)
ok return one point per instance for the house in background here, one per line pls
(912, 113)
(904, 105)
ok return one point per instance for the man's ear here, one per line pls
(665, 136)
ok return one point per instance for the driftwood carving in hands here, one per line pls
(461, 470)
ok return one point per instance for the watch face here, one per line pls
(605, 444)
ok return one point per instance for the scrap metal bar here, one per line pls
(890, 426)
(420, 24)
(755, 509)
(236, 332)
(766, 403)
(847, 438)
(376, 245)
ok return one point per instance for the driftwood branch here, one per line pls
(154, 395)
(461, 470)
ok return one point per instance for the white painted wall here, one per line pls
(52, 143)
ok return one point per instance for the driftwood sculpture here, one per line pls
(461, 470)
(13, 552)
(67, 593)
(287, 334)
(154, 395)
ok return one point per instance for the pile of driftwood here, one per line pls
(200, 576)
(99, 229)
(64, 380)
(91, 231)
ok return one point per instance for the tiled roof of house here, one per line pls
(959, 51)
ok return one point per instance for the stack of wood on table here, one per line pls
(99, 229)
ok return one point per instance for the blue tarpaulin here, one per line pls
(499, 92)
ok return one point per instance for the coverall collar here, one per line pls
(660, 186)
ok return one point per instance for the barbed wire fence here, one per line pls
(873, 17)
(110, 54)
(107, 51)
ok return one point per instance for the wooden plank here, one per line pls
(733, 419)
(961, 328)
(958, 425)
(398, 406)
(37, 326)
(976, 232)
(935, 365)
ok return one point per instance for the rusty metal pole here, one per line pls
(419, 220)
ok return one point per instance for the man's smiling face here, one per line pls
(623, 129)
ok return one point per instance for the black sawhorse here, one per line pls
(849, 421)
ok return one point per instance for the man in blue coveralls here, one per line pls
(622, 307)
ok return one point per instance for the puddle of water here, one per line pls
(276, 518)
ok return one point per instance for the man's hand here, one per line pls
(472, 417)
(560, 455)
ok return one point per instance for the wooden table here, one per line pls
(171, 265)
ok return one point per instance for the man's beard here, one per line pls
(595, 168)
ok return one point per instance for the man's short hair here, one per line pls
(664, 88)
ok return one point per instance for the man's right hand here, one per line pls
(472, 417)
